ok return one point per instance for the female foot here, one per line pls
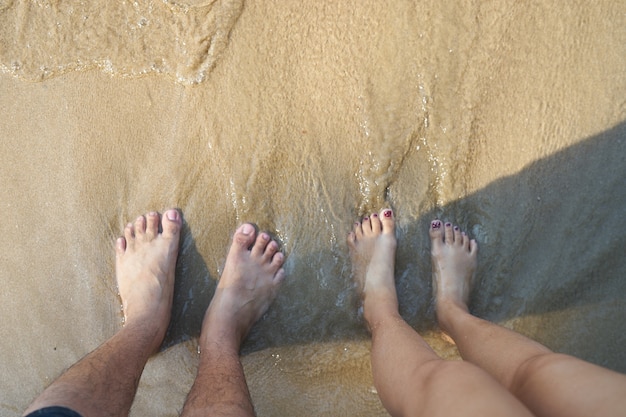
(145, 261)
(454, 260)
(251, 278)
(372, 246)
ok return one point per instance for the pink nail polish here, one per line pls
(374, 215)
(387, 213)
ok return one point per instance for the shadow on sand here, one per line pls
(551, 239)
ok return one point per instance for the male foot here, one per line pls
(372, 246)
(454, 260)
(250, 281)
(145, 263)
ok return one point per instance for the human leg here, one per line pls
(104, 382)
(549, 384)
(409, 376)
(249, 283)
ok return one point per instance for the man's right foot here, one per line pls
(372, 246)
(251, 278)
(454, 260)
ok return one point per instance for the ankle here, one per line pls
(448, 312)
(220, 339)
(380, 309)
(218, 329)
(144, 336)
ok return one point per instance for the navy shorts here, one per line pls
(54, 412)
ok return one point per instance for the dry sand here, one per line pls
(505, 116)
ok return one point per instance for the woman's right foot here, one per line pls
(454, 260)
(372, 246)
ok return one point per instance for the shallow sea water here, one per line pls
(506, 118)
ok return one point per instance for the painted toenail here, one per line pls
(172, 215)
(456, 228)
(387, 213)
(448, 224)
(247, 229)
(374, 215)
(436, 224)
(366, 218)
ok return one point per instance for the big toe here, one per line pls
(171, 223)
(243, 238)
(387, 221)
(436, 232)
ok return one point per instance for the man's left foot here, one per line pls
(145, 262)
(250, 281)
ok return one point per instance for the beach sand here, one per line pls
(508, 118)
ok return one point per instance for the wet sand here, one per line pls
(300, 118)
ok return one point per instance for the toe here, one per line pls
(152, 225)
(473, 247)
(262, 241)
(458, 238)
(366, 226)
(171, 223)
(278, 259)
(375, 222)
(244, 236)
(436, 230)
(448, 233)
(387, 221)
(465, 241)
(270, 250)
(279, 277)
(129, 233)
(140, 227)
(436, 233)
(351, 239)
(120, 246)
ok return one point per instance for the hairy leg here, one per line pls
(549, 384)
(249, 283)
(104, 382)
(409, 376)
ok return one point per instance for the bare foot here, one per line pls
(251, 278)
(372, 246)
(145, 263)
(454, 260)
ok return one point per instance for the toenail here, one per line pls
(265, 236)
(172, 215)
(456, 228)
(387, 213)
(448, 224)
(374, 215)
(436, 224)
(246, 229)
(366, 218)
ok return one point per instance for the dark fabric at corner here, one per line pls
(54, 412)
